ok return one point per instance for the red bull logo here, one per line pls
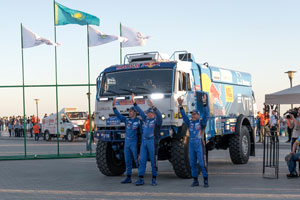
(150, 64)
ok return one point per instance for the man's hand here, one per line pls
(204, 98)
(150, 103)
(180, 101)
(132, 98)
(114, 102)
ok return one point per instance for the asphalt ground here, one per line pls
(10, 146)
(81, 179)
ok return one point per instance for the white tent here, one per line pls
(287, 96)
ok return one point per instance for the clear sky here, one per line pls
(258, 36)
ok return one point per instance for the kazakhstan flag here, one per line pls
(64, 15)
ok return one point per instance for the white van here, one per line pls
(70, 124)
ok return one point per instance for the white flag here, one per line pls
(98, 38)
(134, 37)
(30, 39)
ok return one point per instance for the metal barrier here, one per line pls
(271, 156)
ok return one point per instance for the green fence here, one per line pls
(58, 153)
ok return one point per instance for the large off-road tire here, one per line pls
(239, 146)
(107, 162)
(47, 136)
(70, 136)
(180, 157)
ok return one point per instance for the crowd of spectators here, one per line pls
(268, 125)
(14, 125)
(288, 124)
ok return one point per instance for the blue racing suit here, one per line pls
(130, 148)
(196, 146)
(149, 138)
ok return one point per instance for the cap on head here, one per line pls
(132, 108)
(195, 111)
(149, 110)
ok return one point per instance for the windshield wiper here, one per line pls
(113, 92)
(142, 88)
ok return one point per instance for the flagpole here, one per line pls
(56, 87)
(120, 44)
(89, 86)
(23, 85)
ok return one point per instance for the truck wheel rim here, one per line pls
(245, 145)
(69, 136)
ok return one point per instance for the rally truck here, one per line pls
(149, 76)
(70, 124)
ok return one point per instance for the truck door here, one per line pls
(191, 105)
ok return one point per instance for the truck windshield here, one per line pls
(77, 115)
(144, 81)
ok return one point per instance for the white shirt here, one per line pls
(273, 120)
(296, 129)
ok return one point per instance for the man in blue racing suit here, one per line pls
(196, 145)
(132, 124)
(152, 122)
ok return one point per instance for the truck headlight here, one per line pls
(104, 99)
(157, 96)
(163, 115)
(102, 118)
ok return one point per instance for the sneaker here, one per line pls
(195, 183)
(126, 180)
(154, 182)
(139, 182)
(292, 175)
(205, 183)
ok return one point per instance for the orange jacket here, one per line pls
(87, 125)
(35, 120)
(36, 128)
(262, 119)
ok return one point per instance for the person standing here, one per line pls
(262, 127)
(282, 126)
(36, 130)
(1, 124)
(273, 123)
(16, 128)
(289, 129)
(132, 124)
(13, 123)
(28, 125)
(10, 127)
(296, 127)
(86, 126)
(152, 123)
(196, 146)
(258, 124)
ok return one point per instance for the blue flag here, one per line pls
(64, 15)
